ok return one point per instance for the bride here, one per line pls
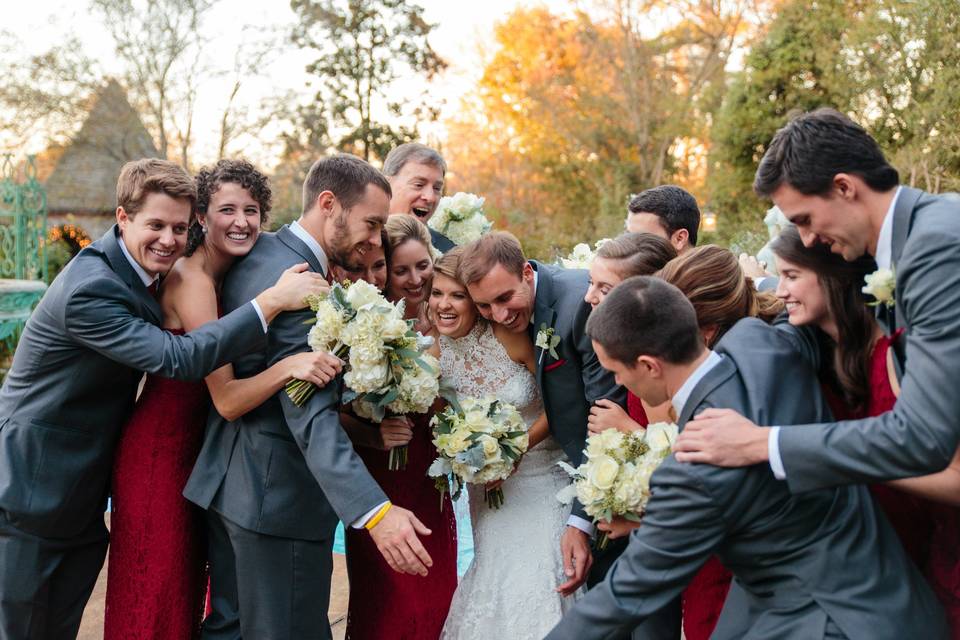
(509, 589)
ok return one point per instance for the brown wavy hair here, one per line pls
(637, 254)
(711, 278)
(841, 282)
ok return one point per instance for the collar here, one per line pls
(145, 277)
(312, 243)
(683, 393)
(536, 276)
(885, 242)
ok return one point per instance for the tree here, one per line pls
(365, 47)
(159, 42)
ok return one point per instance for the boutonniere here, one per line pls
(881, 284)
(547, 341)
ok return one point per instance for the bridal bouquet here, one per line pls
(582, 255)
(479, 441)
(460, 217)
(614, 479)
(388, 370)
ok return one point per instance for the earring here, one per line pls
(203, 229)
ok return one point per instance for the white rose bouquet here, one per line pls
(582, 255)
(614, 479)
(479, 441)
(388, 369)
(460, 217)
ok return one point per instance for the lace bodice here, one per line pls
(477, 365)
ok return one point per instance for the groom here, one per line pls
(823, 564)
(276, 481)
(830, 178)
(546, 302)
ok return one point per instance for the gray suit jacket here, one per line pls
(281, 470)
(441, 242)
(571, 383)
(74, 379)
(922, 432)
(805, 565)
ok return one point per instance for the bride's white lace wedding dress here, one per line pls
(508, 591)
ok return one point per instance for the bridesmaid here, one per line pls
(385, 604)
(627, 255)
(157, 577)
(821, 289)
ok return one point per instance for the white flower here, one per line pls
(460, 217)
(394, 327)
(661, 435)
(881, 284)
(366, 376)
(582, 255)
(362, 293)
(325, 333)
(598, 444)
(603, 472)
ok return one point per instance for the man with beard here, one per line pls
(276, 481)
(416, 174)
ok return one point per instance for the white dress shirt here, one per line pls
(884, 260)
(683, 393)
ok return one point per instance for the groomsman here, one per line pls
(547, 302)
(416, 173)
(276, 481)
(72, 386)
(830, 178)
(822, 564)
(667, 211)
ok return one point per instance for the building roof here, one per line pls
(85, 178)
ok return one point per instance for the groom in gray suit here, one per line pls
(831, 180)
(822, 564)
(276, 481)
(72, 386)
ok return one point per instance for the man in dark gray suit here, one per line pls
(831, 180)
(416, 174)
(822, 564)
(72, 386)
(276, 481)
(547, 301)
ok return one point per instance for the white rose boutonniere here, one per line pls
(881, 284)
(547, 341)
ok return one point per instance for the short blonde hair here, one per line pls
(480, 256)
(449, 264)
(140, 178)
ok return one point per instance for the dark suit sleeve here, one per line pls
(682, 529)
(101, 315)
(802, 339)
(316, 428)
(921, 433)
(597, 382)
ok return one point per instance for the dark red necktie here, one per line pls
(154, 289)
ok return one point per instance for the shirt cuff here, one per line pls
(773, 452)
(579, 523)
(263, 320)
(365, 518)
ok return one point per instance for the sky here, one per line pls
(464, 32)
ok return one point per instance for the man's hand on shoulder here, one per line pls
(724, 438)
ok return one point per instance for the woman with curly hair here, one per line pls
(157, 574)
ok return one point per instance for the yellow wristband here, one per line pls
(375, 520)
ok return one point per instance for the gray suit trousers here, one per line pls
(282, 585)
(46, 582)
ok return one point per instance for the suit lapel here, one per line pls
(110, 242)
(714, 378)
(543, 314)
(290, 239)
(902, 223)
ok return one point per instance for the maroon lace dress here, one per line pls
(384, 604)
(928, 531)
(156, 579)
(703, 599)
